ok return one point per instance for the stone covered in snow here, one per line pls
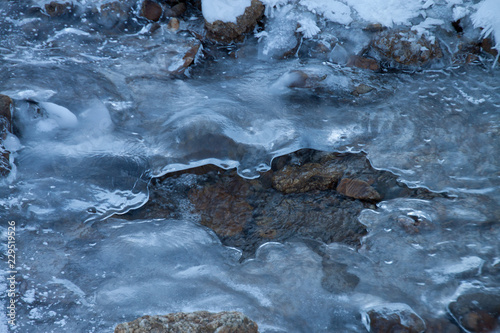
(227, 21)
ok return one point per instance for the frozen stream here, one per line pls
(99, 113)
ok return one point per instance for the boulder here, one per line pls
(195, 322)
(363, 63)
(227, 32)
(111, 14)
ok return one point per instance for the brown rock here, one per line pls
(405, 48)
(487, 46)
(358, 189)
(55, 9)
(151, 10)
(374, 27)
(195, 322)
(229, 31)
(308, 177)
(176, 11)
(173, 24)
(394, 318)
(223, 206)
(188, 58)
(362, 62)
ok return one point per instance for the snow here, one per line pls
(59, 116)
(334, 11)
(223, 10)
(386, 12)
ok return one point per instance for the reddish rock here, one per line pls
(487, 46)
(195, 322)
(151, 10)
(362, 62)
(228, 31)
(358, 189)
(476, 312)
(187, 59)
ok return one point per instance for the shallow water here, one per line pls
(79, 269)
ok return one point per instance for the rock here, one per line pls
(362, 89)
(195, 322)
(151, 10)
(176, 11)
(296, 199)
(392, 317)
(374, 27)
(440, 325)
(405, 48)
(112, 14)
(173, 24)
(336, 279)
(5, 128)
(487, 46)
(228, 31)
(362, 62)
(308, 177)
(180, 66)
(476, 312)
(56, 9)
(358, 189)
(223, 206)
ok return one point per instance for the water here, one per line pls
(79, 269)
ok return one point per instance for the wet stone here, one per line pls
(56, 9)
(151, 10)
(476, 312)
(5, 128)
(195, 322)
(173, 24)
(394, 317)
(296, 199)
(358, 189)
(228, 31)
(112, 14)
(176, 11)
(363, 63)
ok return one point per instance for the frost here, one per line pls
(223, 10)
(308, 27)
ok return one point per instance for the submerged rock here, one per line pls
(307, 195)
(405, 48)
(151, 10)
(229, 31)
(111, 14)
(56, 9)
(476, 312)
(393, 317)
(5, 128)
(362, 62)
(195, 322)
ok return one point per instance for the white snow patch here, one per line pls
(59, 116)
(223, 10)
(334, 11)
(387, 12)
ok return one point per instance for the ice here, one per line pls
(334, 11)
(487, 17)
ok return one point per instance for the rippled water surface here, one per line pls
(98, 113)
